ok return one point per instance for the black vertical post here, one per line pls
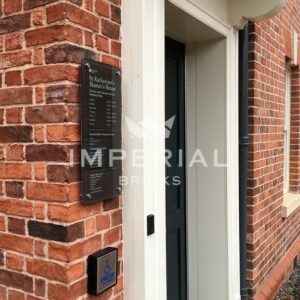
(243, 155)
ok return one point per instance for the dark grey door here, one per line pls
(175, 181)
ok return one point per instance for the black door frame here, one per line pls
(176, 50)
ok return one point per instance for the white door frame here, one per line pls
(143, 34)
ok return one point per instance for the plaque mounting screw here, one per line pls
(118, 73)
(88, 196)
(119, 189)
(88, 66)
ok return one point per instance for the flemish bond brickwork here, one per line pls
(45, 232)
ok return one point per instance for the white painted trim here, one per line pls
(231, 175)
(253, 10)
(203, 16)
(143, 98)
(294, 61)
(235, 13)
(233, 167)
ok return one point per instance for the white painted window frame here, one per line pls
(287, 130)
(143, 36)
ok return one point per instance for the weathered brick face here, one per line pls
(46, 234)
(273, 242)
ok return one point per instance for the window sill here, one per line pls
(290, 203)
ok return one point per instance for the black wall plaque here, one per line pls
(100, 130)
(102, 270)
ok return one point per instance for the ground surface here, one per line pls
(291, 289)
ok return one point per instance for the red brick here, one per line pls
(90, 226)
(13, 41)
(102, 222)
(116, 48)
(61, 292)
(47, 192)
(111, 204)
(15, 134)
(89, 5)
(110, 61)
(66, 53)
(14, 152)
(58, 173)
(14, 262)
(16, 207)
(15, 59)
(115, 14)
(14, 295)
(14, 115)
(116, 218)
(119, 287)
(16, 226)
(66, 11)
(111, 236)
(55, 232)
(2, 227)
(54, 271)
(73, 114)
(15, 171)
(70, 253)
(72, 213)
(14, 189)
(74, 192)
(39, 210)
(29, 297)
(110, 29)
(62, 93)
(116, 2)
(38, 58)
(38, 17)
(16, 280)
(14, 96)
(46, 152)
(29, 4)
(56, 13)
(102, 8)
(88, 39)
(39, 94)
(39, 133)
(14, 23)
(3, 293)
(39, 248)
(1, 117)
(63, 133)
(63, 173)
(11, 6)
(51, 74)
(46, 114)
(13, 78)
(39, 171)
(102, 43)
(56, 33)
(40, 287)
(16, 243)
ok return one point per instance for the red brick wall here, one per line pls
(269, 236)
(45, 232)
